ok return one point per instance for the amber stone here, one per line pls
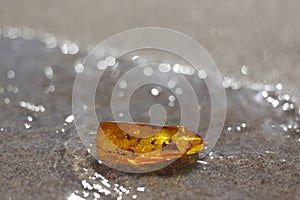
(137, 143)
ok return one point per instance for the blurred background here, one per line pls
(262, 35)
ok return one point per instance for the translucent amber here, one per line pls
(137, 143)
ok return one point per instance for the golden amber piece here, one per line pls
(136, 143)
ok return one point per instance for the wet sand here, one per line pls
(42, 156)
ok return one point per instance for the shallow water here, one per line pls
(257, 156)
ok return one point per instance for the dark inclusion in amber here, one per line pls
(139, 144)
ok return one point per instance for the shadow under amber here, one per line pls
(182, 165)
